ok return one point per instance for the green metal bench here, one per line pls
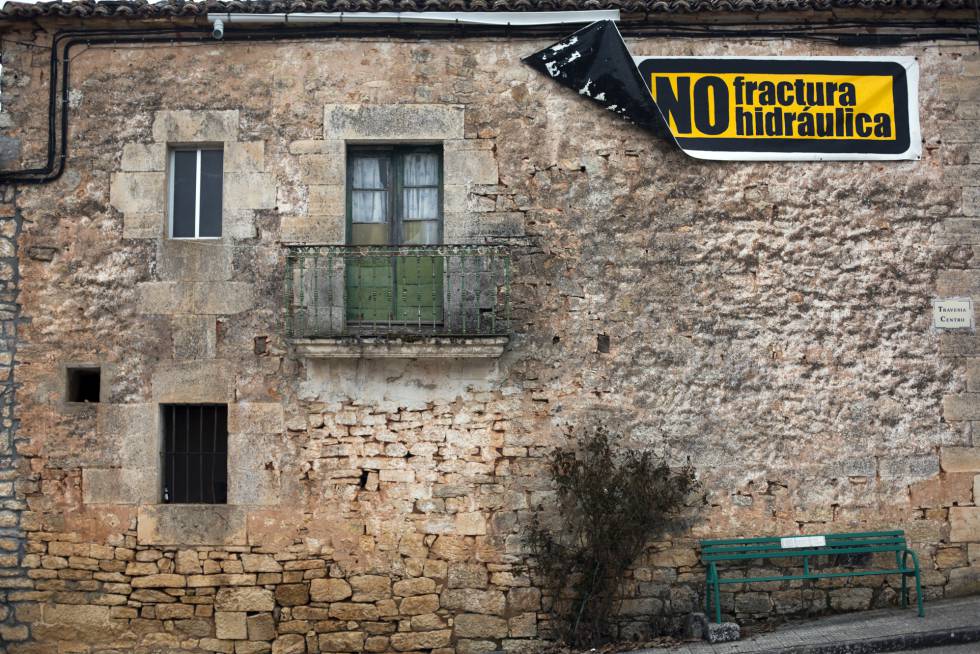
(806, 547)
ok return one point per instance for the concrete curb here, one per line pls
(896, 643)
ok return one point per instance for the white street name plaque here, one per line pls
(952, 313)
(802, 541)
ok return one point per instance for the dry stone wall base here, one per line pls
(767, 322)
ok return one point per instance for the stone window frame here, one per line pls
(139, 189)
(134, 476)
(315, 210)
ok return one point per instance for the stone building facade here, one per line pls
(768, 322)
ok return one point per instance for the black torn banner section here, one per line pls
(595, 63)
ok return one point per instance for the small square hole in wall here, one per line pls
(84, 384)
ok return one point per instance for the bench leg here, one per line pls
(918, 581)
(707, 595)
(717, 594)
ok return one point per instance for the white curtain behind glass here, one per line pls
(369, 200)
(421, 192)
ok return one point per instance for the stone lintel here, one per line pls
(193, 382)
(392, 122)
(186, 127)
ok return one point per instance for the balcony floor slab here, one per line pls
(424, 347)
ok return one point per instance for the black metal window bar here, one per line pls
(195, 453)
(377, 290)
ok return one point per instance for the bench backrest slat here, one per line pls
(771, 547)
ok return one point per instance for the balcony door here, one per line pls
(394, 209)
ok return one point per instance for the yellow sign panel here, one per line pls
(782, 108)
(777, 106)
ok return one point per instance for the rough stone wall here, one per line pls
(767, 322)
(13, 615)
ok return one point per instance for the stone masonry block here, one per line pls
(961, 88)
(471, 524)
(294, 644)
(247, 599)
(261, 627)
(342, 641)
(253, 470)
(189, 382)
(958, 282)
(144, 225)
(120, 485)
(324, 168)
(230, 625)
(471, 625)
(973, 375)
(194, 261)
(963, 581)
(962, 407)
(194, 337)
(135, 431)
(74, 614)
(960, 131)
(248, 191)
(191, 524)
(192, 127)
(326, 199)
(423, 640)
(329, 590)
(200, 298)
(470, 167)
(138, 193)
(313, 229)
(244, 157)
(971, 200)
(406, 122)
(144, 157)
(255, 418)
(964, 522)
(960, 459)
(945, 490)
(238, 224)
(310, 146)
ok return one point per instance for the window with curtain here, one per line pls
(395, 196)
(395, 199)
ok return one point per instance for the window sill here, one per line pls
(191, 524)
(380, 347)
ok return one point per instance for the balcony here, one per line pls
(397, 301)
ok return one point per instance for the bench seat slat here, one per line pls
(858, 573)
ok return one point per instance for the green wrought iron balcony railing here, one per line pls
(427, 290)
